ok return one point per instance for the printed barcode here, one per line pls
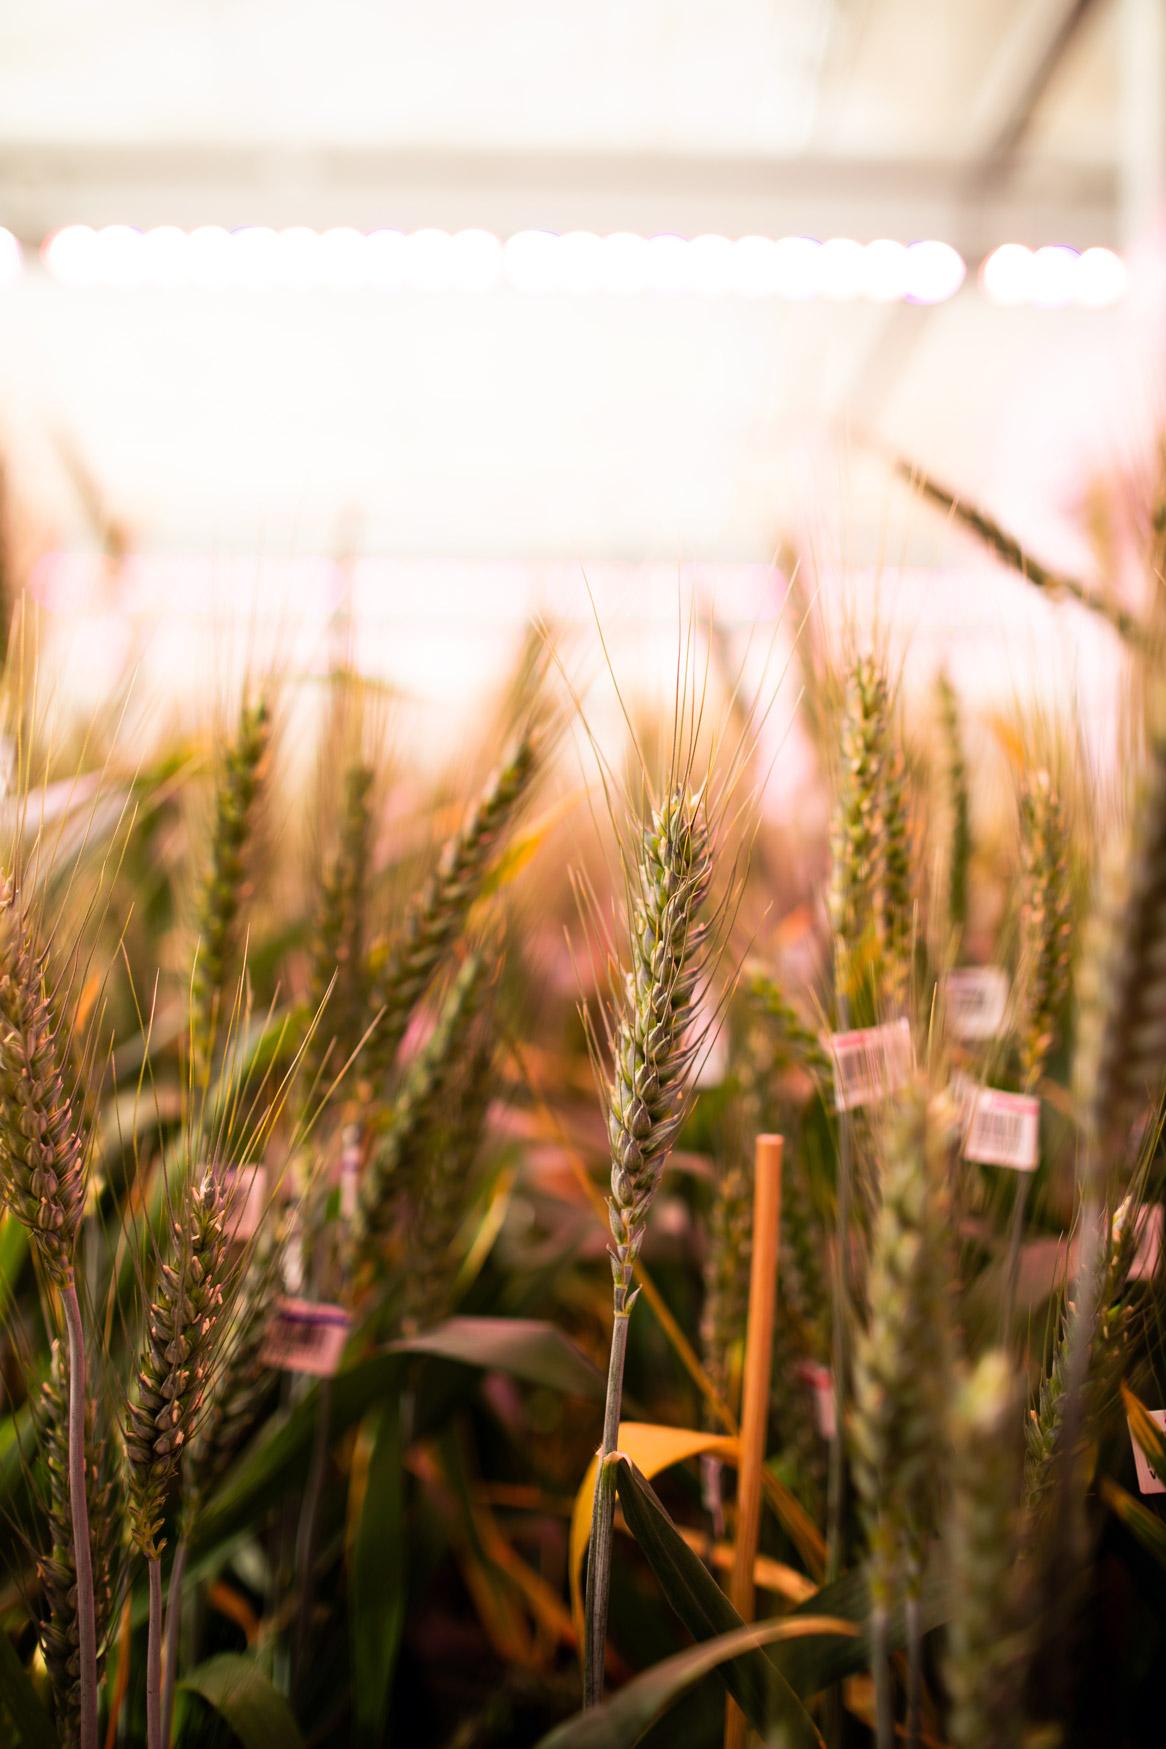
(976, 998)
(870, 1064)
(1149, 1481)
(1004, 1130)
(305, 1337)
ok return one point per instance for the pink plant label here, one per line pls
(976, 999)
(821, 1382)
(870, 1064)
(306, 1336)
(1004, 1130)
(1149, 1481)
(246, 1199)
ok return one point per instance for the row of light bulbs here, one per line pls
(574, 263)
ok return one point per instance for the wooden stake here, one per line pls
(755, 1392)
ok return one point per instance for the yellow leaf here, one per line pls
(651, 1448)
(1010, 738)
(524, 846)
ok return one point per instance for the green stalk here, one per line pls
(79, 1507)
(173, 1624)
(603, 1519)
(154, 1656)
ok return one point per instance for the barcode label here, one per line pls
(307, 1337)
(1148, 1241)
(821, 1381)
(1149, 1481)
(1004, 1130)
(870, 1064)
(246, 1188)
(976, 999)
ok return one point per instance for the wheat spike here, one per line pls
(957, 808)
(857, 830)
(394, 1164)
(899, 1356)
(1009, 551)
(443, 1185)
(57, 1570)
(1045, 925)
(726, 1277)
(652, 1049)
(789, 1037)
(42, 1152)
(1121, 986)
(338, 972)
(400, 975)
(223, 890)
(176, 1361)
(896, 898)
(239, 1389)
(985, 1648)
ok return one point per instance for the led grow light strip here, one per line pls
(576, 263)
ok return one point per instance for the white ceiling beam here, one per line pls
(43, 187)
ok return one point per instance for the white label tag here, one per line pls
(1148, 1242)
(821, 1381)
(307, 1337)
(1004, 1131)
(1149, 1481)
(976, 998)
(870, 1064)
(246, 1200)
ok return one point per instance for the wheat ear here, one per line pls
(59, 1635)
(42, 1159)
(726, 1276)
(896, 901)
(857, 839)
(646, 1104)
(957, 807)
(984, 1661)
(1045, 925)
(394, 1163)
(899, 1367)
(230, 1414)
(400, 975)
(176, 1361)
(338, 972)
(443, 1184)
(223, 889)
(1009, 551)
(788, 1036)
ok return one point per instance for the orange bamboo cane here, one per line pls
(755, 1391)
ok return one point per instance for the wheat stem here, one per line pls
(173, 1624)
(603, 1519)
(79, 1505)
(154, 1656)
